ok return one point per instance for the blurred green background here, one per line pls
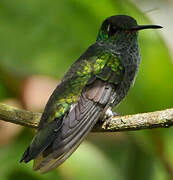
(39, 40)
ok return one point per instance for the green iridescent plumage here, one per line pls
(74, 81)
(95, 83)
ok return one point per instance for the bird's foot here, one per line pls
(108, 117)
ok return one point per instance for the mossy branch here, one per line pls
(157, 119)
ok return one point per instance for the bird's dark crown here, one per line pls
(119, 22)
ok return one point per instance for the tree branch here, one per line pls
(157, 119)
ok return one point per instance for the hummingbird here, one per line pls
(97, 82)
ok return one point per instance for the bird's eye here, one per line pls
(111, 29)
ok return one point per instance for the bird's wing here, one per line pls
(87, 86)
(76, 125)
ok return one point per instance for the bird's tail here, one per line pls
(75, 127)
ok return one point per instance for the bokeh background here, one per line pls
(39, 40)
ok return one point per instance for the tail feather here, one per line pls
(25, 158)
(42, 140)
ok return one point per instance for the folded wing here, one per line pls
(76, 125)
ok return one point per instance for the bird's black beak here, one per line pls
(141, 27)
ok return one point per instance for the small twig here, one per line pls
(19, 116)
(157, 119)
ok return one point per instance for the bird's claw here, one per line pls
(108, 117)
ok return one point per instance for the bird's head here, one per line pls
(119, 26)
